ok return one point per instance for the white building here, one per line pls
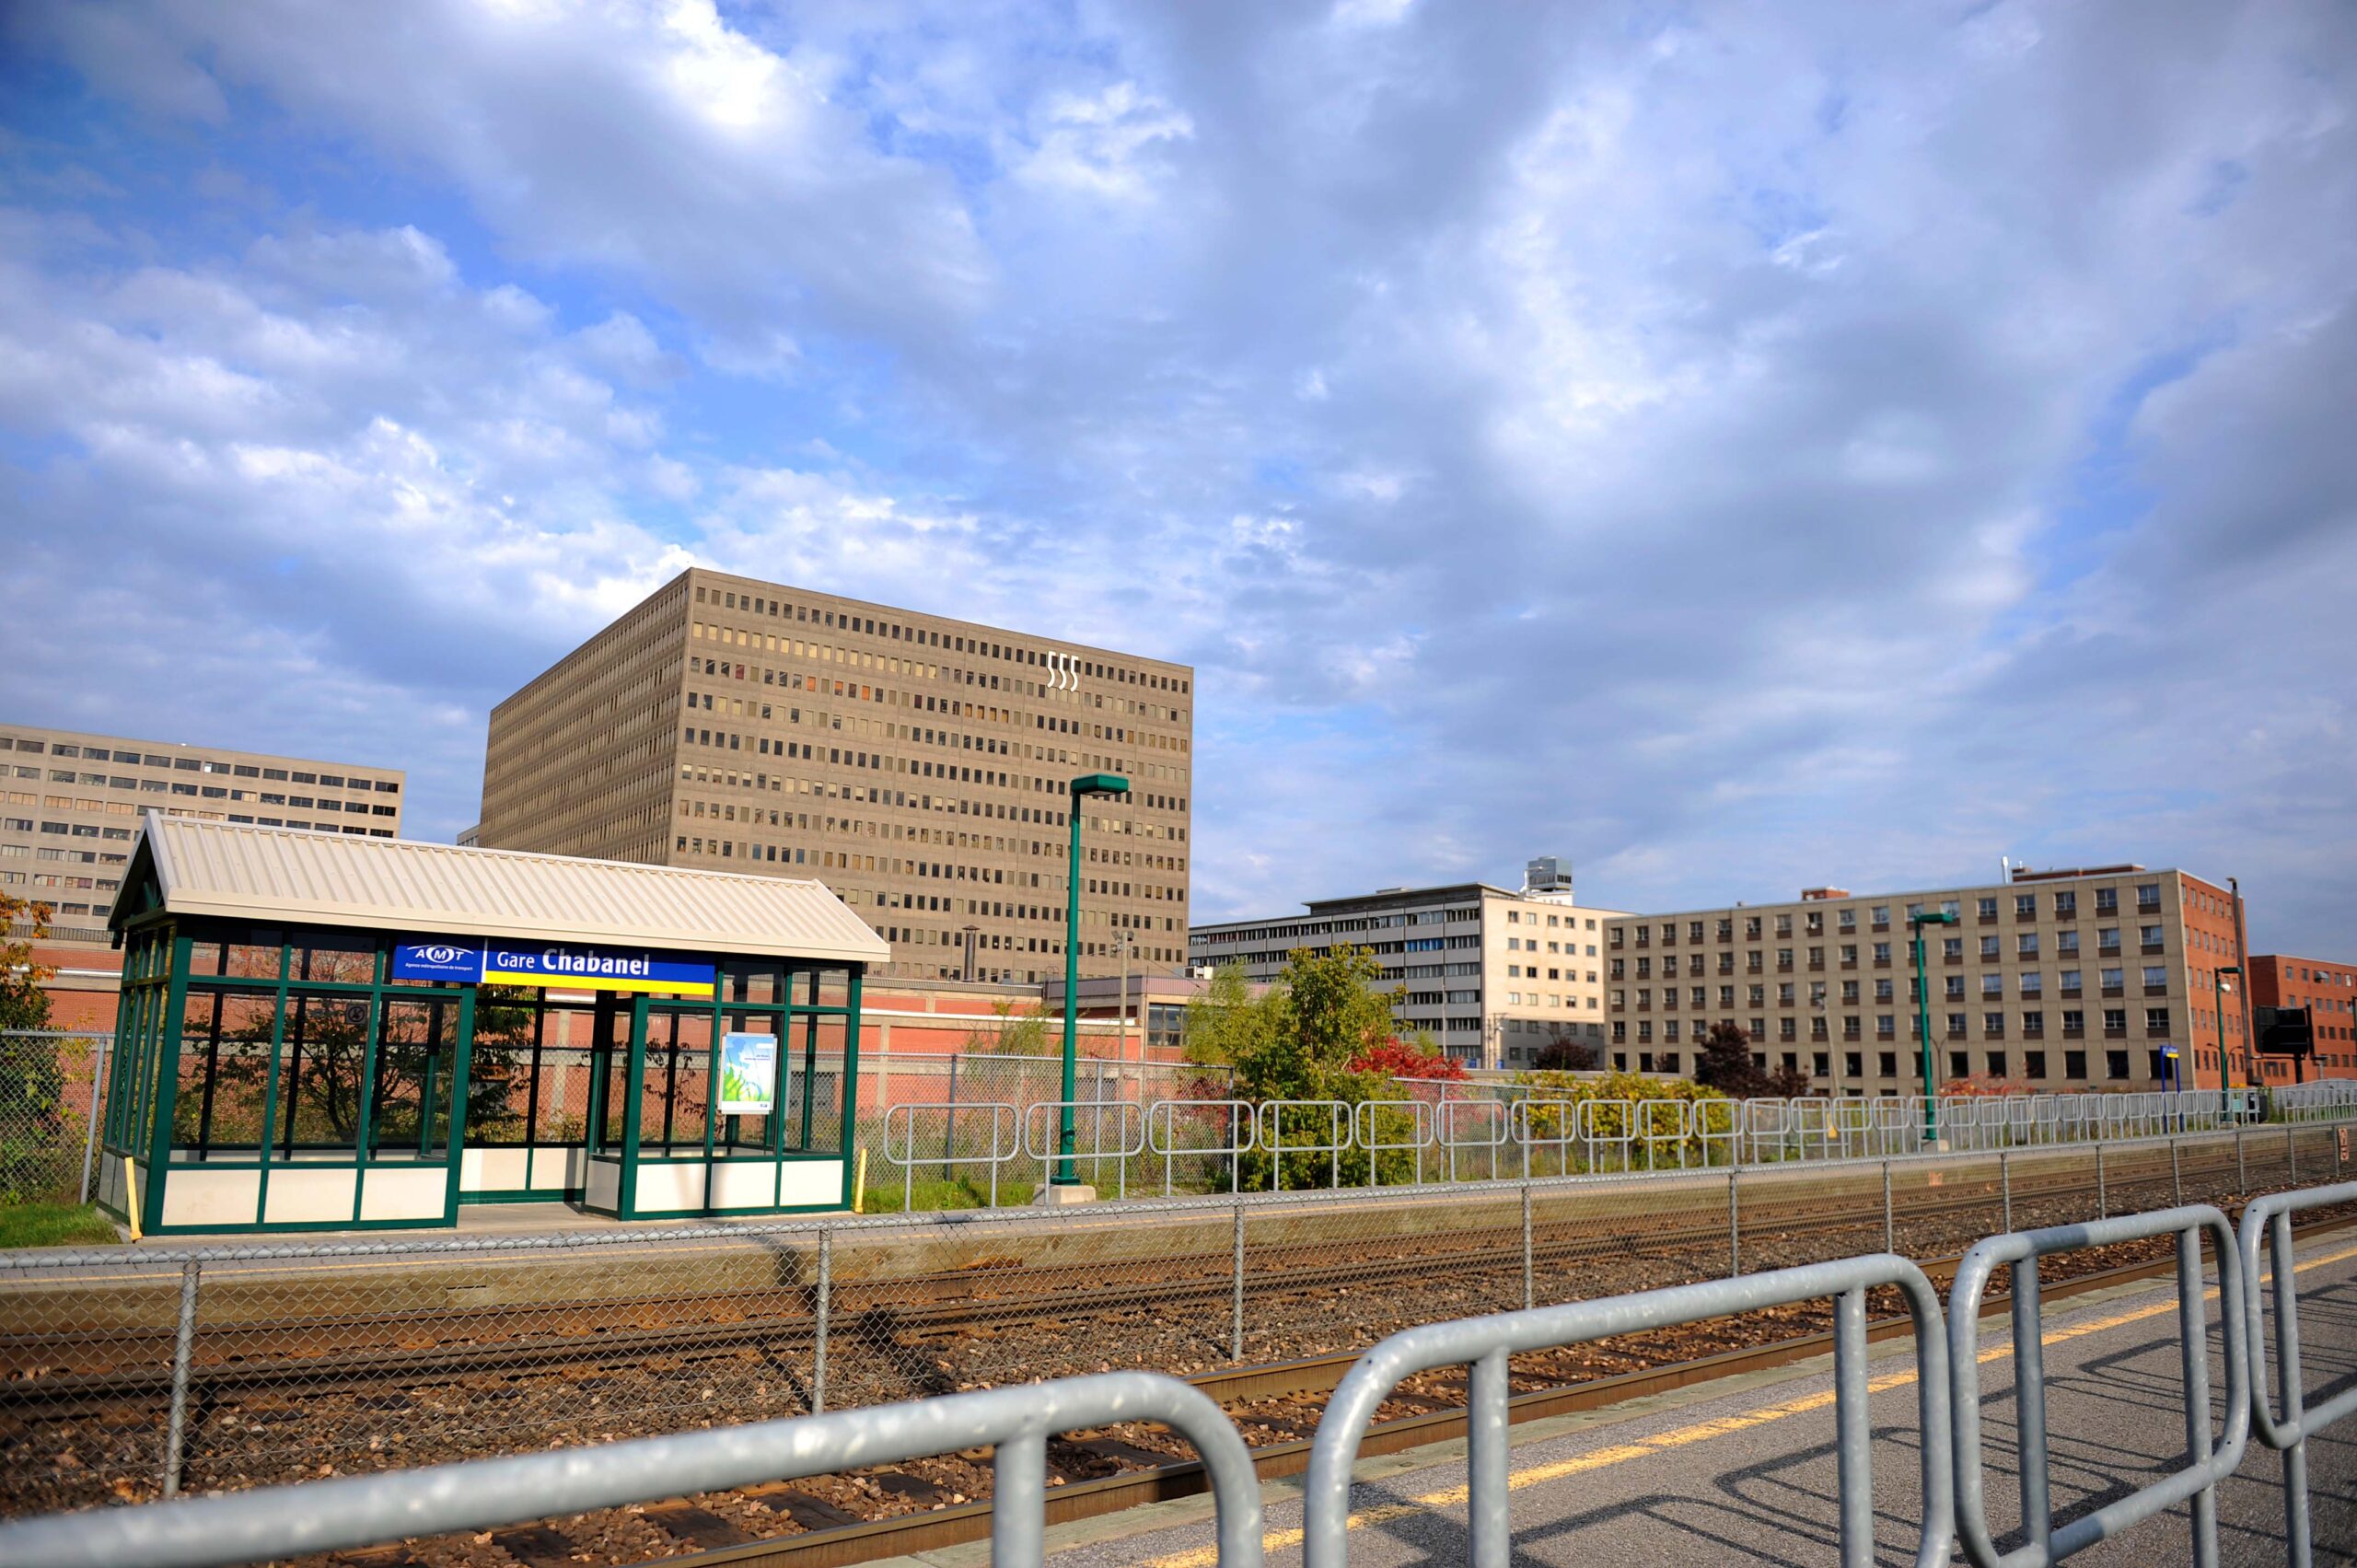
(1493, 975)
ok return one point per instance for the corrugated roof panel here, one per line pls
(229, 868)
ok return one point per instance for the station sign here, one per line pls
(555, 965)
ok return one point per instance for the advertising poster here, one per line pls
(748, 1074)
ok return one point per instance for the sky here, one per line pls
(1734, 447)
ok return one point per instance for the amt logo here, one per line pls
(439, 953)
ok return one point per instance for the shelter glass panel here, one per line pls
(322, 1063)
(674, 1088)
(223, 1074)
(415, 1078)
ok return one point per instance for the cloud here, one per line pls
(1737, 448)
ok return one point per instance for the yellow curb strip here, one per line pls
(1620, 1454)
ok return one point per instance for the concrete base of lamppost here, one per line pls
(1055, 1197)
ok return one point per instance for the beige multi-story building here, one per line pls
(919, 766)
(73, 801)
(2098, 978)
(1494, 976)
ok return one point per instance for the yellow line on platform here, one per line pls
(1701, 1432)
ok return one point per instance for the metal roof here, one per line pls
(403, 885)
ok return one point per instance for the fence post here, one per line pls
(1235, 1312)
(2193, 1346)
(2103, 1199)
(98, 1064)
(1735, 1226)
(1854, 1434)
(2177, 1182)
(2029, 1404)
(826, 1301)
(1889, 1236)
(2005, 1191)
(2242, 1172)
(1529, 1285)
(2292, 1153)
(183, 1344)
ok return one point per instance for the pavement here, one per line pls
(1744, 1471)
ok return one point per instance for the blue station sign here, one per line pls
(553, 965)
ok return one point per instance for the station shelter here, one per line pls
(329, 1032)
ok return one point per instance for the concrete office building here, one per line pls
(70, 806)
(2328, 990)
(1493, 975)
(2098, 978)
(917, 765)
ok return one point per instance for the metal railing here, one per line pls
(1464, 1136)
(2270, 1218)
(1485, 1343)
(1018, 1418)
(2213, 1461)
(277, 1522)
(1002, 1118)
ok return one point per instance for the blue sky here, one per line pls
(1735, 448)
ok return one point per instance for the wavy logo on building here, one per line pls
(442, 953)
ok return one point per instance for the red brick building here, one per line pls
(2329, 992)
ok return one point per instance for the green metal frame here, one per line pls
(150, 1035)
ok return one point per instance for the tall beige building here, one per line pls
(72, 805)
(2098, 978)
(1493, 975)
(917, 765)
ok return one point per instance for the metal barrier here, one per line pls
(1272, 1138)
(1488, 1130)
(2046, 1544)
(1161, 1133)
(1522, 1130)
(1366, 1131)
(1128, 1116)
(2271, 1217)
(275, 1522)
(1592, 1133)
(1002, 1116)
(1486, 1343)
(1664, 1122)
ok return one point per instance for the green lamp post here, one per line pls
(2225, 1084)
(1923, 1024)
(1083, 787)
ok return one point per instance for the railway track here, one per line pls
(829, 1538)
(348, 1354)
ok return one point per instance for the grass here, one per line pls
(933, 1194)
(54, 1224)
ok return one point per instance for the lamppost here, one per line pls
(1083, 787)
(1923, 1023)
(2218, 990)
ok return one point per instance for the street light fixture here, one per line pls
(1083, 787)
(1923, 1023)
(2217, 989)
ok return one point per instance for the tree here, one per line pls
(1397, 1058)
(1022, 1031)
(23, 1004)
(1725, 1064)
(1227, 1023)
(1564, 1054)
(32, 1081)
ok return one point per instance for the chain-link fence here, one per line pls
(50, 1082)
(124, 1372)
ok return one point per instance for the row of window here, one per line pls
(26, 746)
(2065, 906)
(2026, 945)
(1996, 1063)
(892, 630)
(1992, 1025)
